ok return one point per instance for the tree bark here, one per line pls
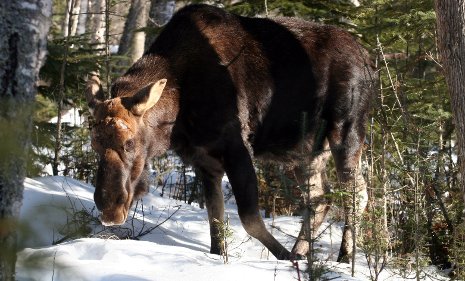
(61, 90)
(70, 22)
(160, 13)
(450, 17)
(97, 24)
(82, 19)
(132, 42)
(24, 25)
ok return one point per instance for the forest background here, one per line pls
(410, 161)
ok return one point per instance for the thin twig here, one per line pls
(53, 266)
(156, 226)
(394, 88)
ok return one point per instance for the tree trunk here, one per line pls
(160, 13)
(450, 16)
(132, 42)
(97, 24)
(61, 90)
(82, 19)
(24, 25)
(70, 22)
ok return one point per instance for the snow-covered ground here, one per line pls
(176, 248)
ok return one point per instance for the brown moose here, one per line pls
(220, 89)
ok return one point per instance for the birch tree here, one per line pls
(133, 41)
(82, 18)
(24, 25)
(70, 22)
(97, 23)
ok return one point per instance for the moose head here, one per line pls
(123, 139)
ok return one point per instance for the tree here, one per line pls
(133, 41)
(97, 23)
(160, 13)
(82, 19)
(451, 42)
(23, 29)
(450, 16)
(70, 23)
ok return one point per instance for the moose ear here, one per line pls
(147, 97)
(94, 92)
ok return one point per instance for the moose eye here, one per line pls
(129, 145)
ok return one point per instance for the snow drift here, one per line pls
(165, 240)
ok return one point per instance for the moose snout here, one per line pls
(112, 218)
(111, 185)
(104, 200)
(113, 206)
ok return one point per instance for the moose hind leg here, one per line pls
(316, 203)
(241, 174)
(346, 146)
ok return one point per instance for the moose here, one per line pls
(220, 90)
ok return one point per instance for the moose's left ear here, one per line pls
(147, 97)
(94, 92)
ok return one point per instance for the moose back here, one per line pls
(220, 89)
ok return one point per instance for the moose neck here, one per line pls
(160, 121)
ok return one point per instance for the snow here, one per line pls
(176, 248)
(28, 6)
(71, 116)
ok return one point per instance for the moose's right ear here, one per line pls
(94, 92)
(147, 97)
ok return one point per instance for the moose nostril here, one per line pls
(121, 199)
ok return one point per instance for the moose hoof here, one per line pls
(284, 255)
(297, 257)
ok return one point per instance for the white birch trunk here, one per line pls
(75, 7)
(24, 25)
(132, 42)
(82, 18)
(97, 24)
(64, 24)
(75, 16)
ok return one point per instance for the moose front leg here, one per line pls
(211, 179)
(241, 174)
